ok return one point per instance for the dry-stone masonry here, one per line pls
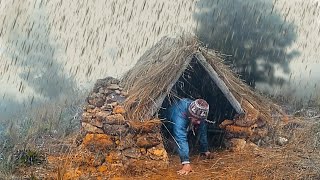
(110, 141)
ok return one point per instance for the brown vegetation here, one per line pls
(298, 159)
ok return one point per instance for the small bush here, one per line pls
(28, 158)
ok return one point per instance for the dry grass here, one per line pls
(153, 73)
(152, 78)
(30, 130)
(299, 159)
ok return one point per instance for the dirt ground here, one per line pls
(299, 159)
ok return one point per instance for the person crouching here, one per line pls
(185, 116)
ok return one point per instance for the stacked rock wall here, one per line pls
(246, 127)
(110, 140)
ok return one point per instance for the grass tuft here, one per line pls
(28, 157)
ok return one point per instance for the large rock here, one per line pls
(97, 142)
(113, 87)
(90, 128)
(148, 140)
(239, 131)
(102, 115)
(132, 153)
(96, 99)
(114, 97)
(87, 116)
(115, 130)
(101, 83)
(226, 123)
(93, 111)
(117, 119)
(151, 126)
(90, 119)
(126, 142)
(158, 153)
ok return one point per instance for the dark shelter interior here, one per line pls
(195, 83)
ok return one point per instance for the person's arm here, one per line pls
(180, 134)
(180, 125)
(203, 139)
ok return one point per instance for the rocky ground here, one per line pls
(299, 158)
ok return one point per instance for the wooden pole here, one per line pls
(219, 82)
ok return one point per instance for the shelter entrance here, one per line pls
(196, 83)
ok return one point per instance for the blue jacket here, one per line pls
(179, 117)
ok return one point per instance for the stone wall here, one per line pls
(111, 141)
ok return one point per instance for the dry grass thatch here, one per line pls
(155, 72)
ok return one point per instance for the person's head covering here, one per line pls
(199, 108)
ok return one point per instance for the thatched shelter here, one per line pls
(182, 67)
(121, 122)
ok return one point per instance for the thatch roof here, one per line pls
(155, 73)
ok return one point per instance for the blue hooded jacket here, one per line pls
(179, 117)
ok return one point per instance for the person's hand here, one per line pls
(186, 169)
